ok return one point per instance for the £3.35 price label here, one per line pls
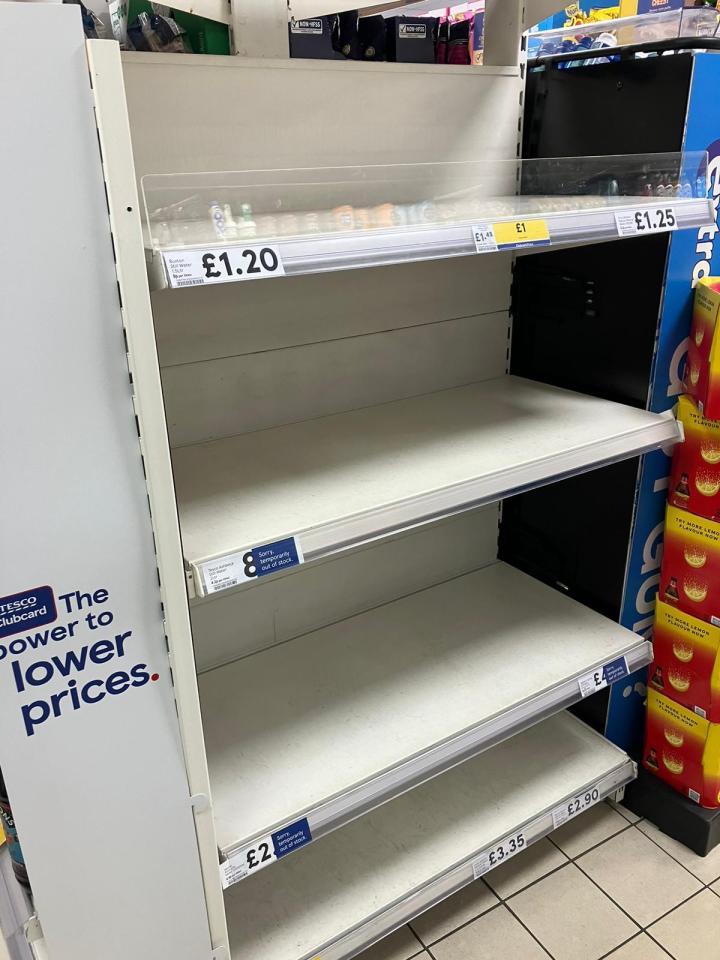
(498, 854)
(190, 268)
(566, 811)
(631, 223)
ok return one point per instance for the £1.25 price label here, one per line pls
(191, 268)
(632, 223)
(498, 853)
(566, 811)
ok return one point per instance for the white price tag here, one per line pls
(567, 811)
(191, 268)
(602, 676)
(250, 564)
(498, 854)
(248, 860)
(484, 237)
(655, 219)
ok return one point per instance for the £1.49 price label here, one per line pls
(191, 268)
(631, 223)
(498, 854)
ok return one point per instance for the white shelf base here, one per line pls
(336, 897)
(342, 480)
(331, 725)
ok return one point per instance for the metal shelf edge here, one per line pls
(351, 532)
(382, 248)
(375, 928)
(341, 810)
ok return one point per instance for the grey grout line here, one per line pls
(658, 944)
(503, 901)
(528, 930)
(660, 847)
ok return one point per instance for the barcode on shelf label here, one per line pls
(187, 268)
(655, 219)
(510, 234)
(570, 809)
(603, 676)
(498, 853)
(694, 795)
(250, 564)
(260, 854)
(484, 237)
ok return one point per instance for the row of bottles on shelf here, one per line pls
(183, 222)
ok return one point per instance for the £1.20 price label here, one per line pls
(632, 223)
(191, 268)
(566, 811)
(498, 853)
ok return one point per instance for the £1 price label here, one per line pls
(190, 268)
(566, 811)
(498, 854)
(631, 223)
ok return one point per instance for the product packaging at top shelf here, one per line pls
(690, 576)
(683, 749)
(702, 368)
(687, 661)
(695, 480)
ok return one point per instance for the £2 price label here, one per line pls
(249, 860)
(190, 268)
(498, 854)
(631, 223)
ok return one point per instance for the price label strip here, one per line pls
(567, 811)
(603, 676)
(263, 852)
(498, 854)
(250, 564)
(633, 223)
(510, 234)
(193, 268)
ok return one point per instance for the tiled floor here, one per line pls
(606, 885)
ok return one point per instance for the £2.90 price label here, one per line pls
(190, 268)
(498, 854)
(566, 811)
(631, 223)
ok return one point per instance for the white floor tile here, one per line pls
(691, 931)
(530, 865)
(465, 905)
(639, 948)
(571, 917)
(590, 828)
(623, 811)
(496, 934)
(638, 875)
(706, 868)
(400, 945)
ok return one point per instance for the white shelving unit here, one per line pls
(407, 691)
(370, 472)
(392, 705)
(338, 896)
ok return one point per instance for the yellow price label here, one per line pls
(514, 233)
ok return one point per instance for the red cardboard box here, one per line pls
(690, 575)
(695, 480)
(702, 368)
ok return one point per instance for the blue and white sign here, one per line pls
(237, 568)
